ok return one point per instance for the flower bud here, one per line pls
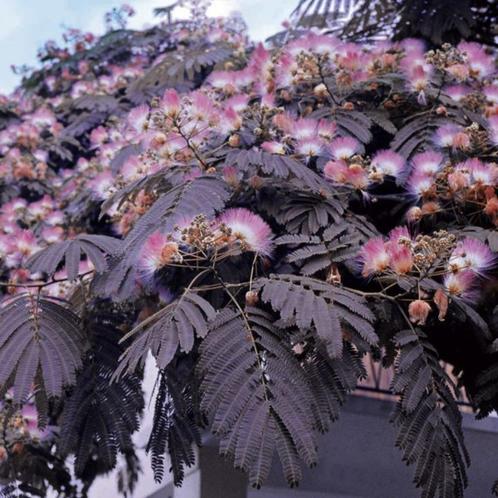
(414, 214)
(441, 301)
(320, 91)
(419, 311)
(252, 298)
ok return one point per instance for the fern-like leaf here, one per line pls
(329, 310)
(100, 416)
(336, 244)
(276, 165)
(177, 69)
(38, 333)
(303, 212)
(176, 325)
(174, 429)
(95, 247)
(427, 418)
(256, 395)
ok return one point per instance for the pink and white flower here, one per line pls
(157, 252)
(472, 254)
(249, 229)
(428, 162)
(461, 284)
(344, 147)
(374, 257)
(387, 162)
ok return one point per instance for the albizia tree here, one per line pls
(258, 220)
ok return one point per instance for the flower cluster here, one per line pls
(437, 184)
(350, 168)
(458, 266)
(234, 231)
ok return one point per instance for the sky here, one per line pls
(26, 24)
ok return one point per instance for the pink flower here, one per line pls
(238, 102)
(309, 147)
(336, 171)
(158, 251)
(418, 77)
(398, 247)
(461, 284)
(399, 234)
(481, 64)
(98, 136)
(491, 93)
(304, 129)
(248, 229)
(458, 71)
(137, 118)
(451, 135)
(170, 103)
(483, 173)
(102, 185)
(222, 79)
(273, 147)
(133, 168)
(457, 92)
(472, 254)
(25, 242)
(418, 311)
(374, 257)
(493, 129)
(29, 414)
(52, 234)
(386, 162)
(428, 162)
(420, 183)
(344, 147)
(229, 121)
(326, 129)
(400, 258)
(231, 176)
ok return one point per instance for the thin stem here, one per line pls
(42, 284)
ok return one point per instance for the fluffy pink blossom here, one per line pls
(420, 183)
(493, 129)
(481, 64)
(249, 229)
(386, 162)
(170, 103)
(452, 136)
(304, 128)
(336, 171)
(472, 254)
(273, 147)
(157, 251)
(309, 147)
(374, 257)
(491, 93)
(457, 92)
(344, 147)
(29, 414)
(238, 102)
(461, 284)
(102, 185)
(429, 162)
(137, 118)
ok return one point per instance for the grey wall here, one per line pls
(357, 460)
